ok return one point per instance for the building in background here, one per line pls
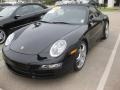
(110, 3)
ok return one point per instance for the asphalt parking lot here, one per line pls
(101, 71)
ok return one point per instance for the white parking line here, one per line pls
(1, 89)
(1, 64)
(108, 67)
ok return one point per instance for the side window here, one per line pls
(91, 16)
(94, 11)
(37, 8)
(25, 10)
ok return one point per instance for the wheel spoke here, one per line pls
(2, 36)
(82, 56)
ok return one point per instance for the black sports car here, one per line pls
(56, 44)
(13, 17)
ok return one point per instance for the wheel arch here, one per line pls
(106, 19)
(5, 30)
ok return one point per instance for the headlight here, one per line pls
(9, 39)
(58, 48)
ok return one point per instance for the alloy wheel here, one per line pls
(80, 60)
(2, 36)
(107, 30)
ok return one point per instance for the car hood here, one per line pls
(37, 38)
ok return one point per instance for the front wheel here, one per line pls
(2, 36)
(106, 31)
(81, 58)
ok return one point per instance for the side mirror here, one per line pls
(17, 16)
(97, 19)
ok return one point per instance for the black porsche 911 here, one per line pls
(56, 44)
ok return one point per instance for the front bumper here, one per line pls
(28, 65)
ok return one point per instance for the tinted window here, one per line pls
(37, 8)
(7, 11)
(74, 15)
(1, 8)
(25, 10)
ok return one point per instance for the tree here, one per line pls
(2, 1)
(49, 2)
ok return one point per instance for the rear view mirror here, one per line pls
(17, 16)
(97, 19)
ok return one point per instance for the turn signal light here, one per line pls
(74, 51)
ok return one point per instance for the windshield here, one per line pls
(1, 8)
(7, 11)
(66, 14)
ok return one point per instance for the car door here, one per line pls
(95, 28)
(28, 14)
(22, 17)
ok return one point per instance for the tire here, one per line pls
(80, 60)
(106, 31)
(3, 36)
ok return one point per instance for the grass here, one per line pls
(109, 9)
(1, 58)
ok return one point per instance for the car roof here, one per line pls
(77, 5)
(22, 4)
(5, 4)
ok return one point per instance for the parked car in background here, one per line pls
(59, 42)
(65, 2)
(15, 16)
(13, 2)
(92, 2)
(68, 1)
(5, 4)
(2, 5)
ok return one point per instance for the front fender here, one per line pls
(73, 40)
(76, 36)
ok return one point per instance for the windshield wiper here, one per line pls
(45, 21)
(61, 23)
(56, 22)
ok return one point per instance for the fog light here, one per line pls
(52, 66)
